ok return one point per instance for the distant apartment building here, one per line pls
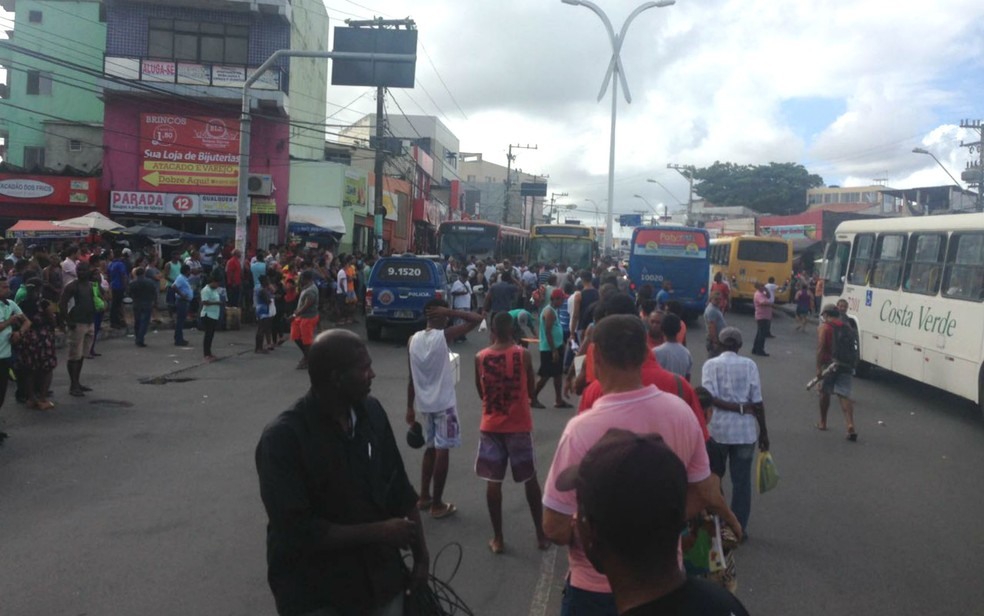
(484, 187)
(427, 132)
(50, 111)
(176, 70)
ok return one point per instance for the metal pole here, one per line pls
(611, 173)
(378, 210)
(245, 121)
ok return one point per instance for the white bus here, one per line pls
(915, 292)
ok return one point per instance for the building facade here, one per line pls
(172, 111)
(485, 193)
(51, 112)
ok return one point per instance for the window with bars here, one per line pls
(190, 41)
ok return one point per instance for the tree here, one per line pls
(776, 188)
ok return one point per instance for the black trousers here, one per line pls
(209, 325)
(116, 310)
(4, 377)
(761, 332)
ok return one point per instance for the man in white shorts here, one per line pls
(430, 392)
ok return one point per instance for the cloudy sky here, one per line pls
(845, 87)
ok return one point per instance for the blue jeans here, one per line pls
(740, 457)
(141, 322)
(180, 315)
(578, 602)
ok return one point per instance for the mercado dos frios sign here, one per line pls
(195, 154)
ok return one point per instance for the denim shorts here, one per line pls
(838, 383)
(441, 429)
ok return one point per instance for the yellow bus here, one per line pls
(915, 292)
(572, 245)
(745, 260)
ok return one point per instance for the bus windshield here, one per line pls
(463, 244)
(576, 253)
(763, 252)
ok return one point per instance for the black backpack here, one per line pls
(845, 350)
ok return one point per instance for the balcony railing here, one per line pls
(155, 71)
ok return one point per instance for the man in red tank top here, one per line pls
(503, 375)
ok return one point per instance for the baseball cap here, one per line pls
(630, 485)
(730, 333)
(558, 294)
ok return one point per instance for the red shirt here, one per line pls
(234, 272)
(653, 374)
(505, 392)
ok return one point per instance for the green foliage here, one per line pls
(776, 188)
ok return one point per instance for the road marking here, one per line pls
(541, 594)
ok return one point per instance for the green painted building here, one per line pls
(50, 112)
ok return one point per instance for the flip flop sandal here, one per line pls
(852, 436)
(817, 426)
(448, 510)
(495, 549)
(424, 505)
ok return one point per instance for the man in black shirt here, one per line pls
(339, 503)
(632, 504)
(143, 291)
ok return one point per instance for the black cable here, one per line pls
(437, 598)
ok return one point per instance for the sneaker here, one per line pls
(183, 343)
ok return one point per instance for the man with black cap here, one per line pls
(620, 351)
(631, 507)
(339, 503)
(738, 421)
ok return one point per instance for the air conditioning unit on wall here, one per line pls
(259, 184)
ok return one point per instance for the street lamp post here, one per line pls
(945, 170)
(615, 68)
(650, 206)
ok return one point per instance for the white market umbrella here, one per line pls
(92, 220)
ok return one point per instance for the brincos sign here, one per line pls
(926, 320)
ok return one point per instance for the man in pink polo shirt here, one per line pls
(620, 350)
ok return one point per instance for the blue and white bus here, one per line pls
(676, 254)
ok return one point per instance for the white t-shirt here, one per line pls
(463, 301)
(430, 367)
(771, 288)
(69, 271)
(489, 273)
(342, 282)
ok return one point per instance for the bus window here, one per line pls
(963, 277)
(836, 268)
(861, 264)
(765, 252)
(888, 261)
(925, 263)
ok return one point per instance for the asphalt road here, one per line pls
(142, 498)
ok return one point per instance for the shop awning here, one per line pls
(315, 220)
(43, 229)
(92, 220)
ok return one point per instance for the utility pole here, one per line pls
(510, 157)
(553, 196)
(379, 211)
(974, 174)
(687, 171)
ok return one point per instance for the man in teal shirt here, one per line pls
(551, 355)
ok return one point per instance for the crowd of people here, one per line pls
(55, 291)
(644, 453)
(625, 356)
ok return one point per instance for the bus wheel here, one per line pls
(863, 370)
(374, 331)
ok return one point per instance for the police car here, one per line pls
(398, 289)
